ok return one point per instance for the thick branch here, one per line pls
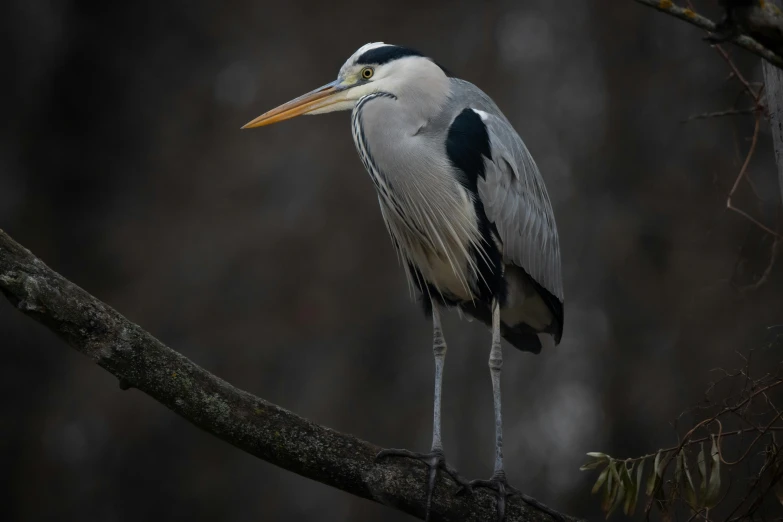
(251, 424)
(773, 82)
(693, 18)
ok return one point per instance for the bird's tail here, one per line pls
(524, 338)
(520, 336)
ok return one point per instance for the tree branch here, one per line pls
(693, 18)
(250, 423)
(773, 80)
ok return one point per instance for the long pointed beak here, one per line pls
(317, 99)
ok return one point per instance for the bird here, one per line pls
(466, 209)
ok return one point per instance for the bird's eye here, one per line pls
(367, 73)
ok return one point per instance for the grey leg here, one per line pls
(439, 350)
(498, 482)
(435, 459)
(495, 365)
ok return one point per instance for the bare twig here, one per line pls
(761, 433)
(681, 490)
(693, 18)
(758, 109)
(250, 423)
(748, 156)
(718, 114)
(755, 95)
(743, 170)
(691, 442)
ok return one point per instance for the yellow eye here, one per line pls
(367, 73)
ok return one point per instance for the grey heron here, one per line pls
(464, 204)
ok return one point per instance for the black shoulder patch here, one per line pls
(389, 53)
(385, 54)
(467, 143)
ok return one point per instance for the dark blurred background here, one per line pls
(262, 255)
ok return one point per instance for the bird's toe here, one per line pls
(503, 491)
(500, 488)
(435, 461)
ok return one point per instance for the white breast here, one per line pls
(428, 213)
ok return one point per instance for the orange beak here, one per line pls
(317, 99)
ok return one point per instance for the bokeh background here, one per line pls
(262, 255)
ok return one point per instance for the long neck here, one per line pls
(424, 206)
(390, 125)
(422, 90)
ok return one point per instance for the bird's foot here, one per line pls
(499, 486)
(502, 490)
(434, 460)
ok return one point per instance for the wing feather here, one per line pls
(516, 201)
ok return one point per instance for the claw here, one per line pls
(499, 486)
(434, 460)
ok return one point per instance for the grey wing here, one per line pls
(516, 201)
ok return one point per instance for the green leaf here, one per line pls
(678, 475)
(713, 486)
(630, 488)
(619, 490)
(606, 502)
(598, 455)
(625, 475)
(656, 475)
(777, 489)
(601, 480)
(701, 461)
(689, 489)
(637, 485)
(591, 465)
(596, 459)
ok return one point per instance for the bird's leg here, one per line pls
(495, 365)
(439, 351)
(435, 459)
(497, 482)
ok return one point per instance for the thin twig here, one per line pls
(697, 441)
(743, 170)
(718, 114)
(755, 95)
(757, 109)
(762, 432)
(759, 498)
(693, 18)
(686, 442)
(748, 157)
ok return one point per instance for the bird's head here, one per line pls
(374, 67)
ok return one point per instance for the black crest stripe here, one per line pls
(385, 54)
(389, 53)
